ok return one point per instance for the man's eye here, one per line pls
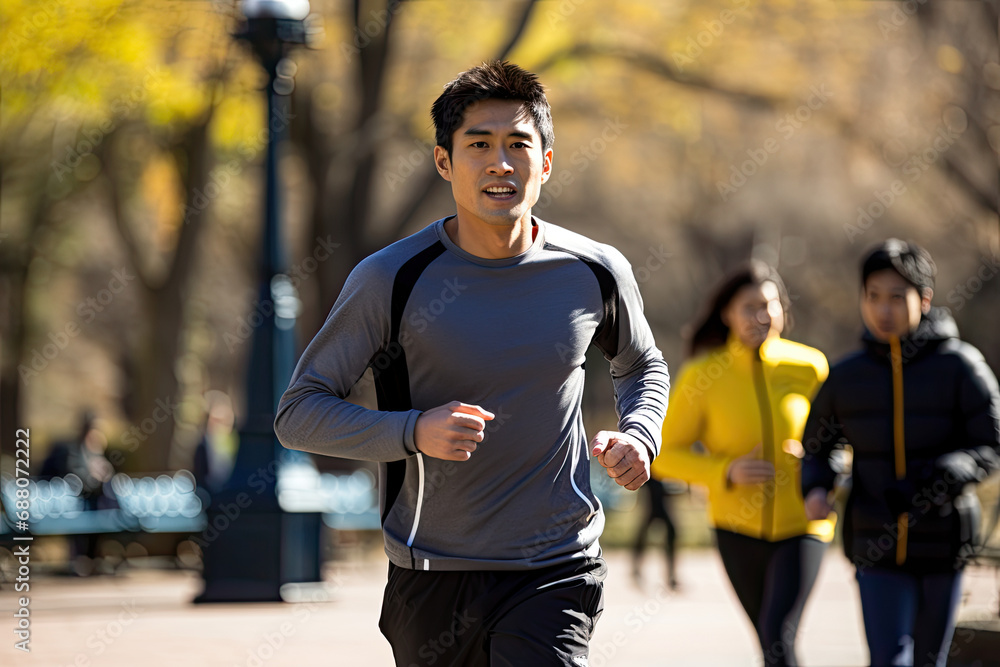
(519, 144)
(479, 144)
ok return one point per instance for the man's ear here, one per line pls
(442, 162)
(546, 165)
(925, 300)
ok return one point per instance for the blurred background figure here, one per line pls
(921, 411)
(658, 507)
(744, 394)
(216, 452)
(83, 457)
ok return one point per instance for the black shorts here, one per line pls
(493, 618)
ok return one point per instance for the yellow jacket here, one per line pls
(731, 399)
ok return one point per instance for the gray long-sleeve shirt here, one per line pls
(438, 324)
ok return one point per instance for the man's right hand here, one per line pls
(750, 469)
(451, 431)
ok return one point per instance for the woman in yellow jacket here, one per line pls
(744, 398)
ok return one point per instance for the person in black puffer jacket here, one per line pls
(921, 411)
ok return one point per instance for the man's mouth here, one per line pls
(500, 192)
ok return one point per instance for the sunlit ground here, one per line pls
(144, 618)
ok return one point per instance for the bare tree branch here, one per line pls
(518, 30)
(430, 182)
(656, 65)
(957, 174)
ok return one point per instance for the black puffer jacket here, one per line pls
(909, 506)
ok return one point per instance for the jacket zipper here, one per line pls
(767, 440)
(898, 442)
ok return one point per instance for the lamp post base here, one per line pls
(257, 553)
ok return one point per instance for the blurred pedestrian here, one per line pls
(476, 329)
(83, 457)
(744, 396)
(921, 412)
(216, 451)
(658, 507)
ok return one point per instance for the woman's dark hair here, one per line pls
(710, 331)
(496, 80)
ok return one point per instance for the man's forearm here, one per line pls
(642, 404)
(315, 421)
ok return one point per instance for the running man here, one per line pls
(476, 329)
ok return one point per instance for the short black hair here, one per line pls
(497, 80)
(912, 262)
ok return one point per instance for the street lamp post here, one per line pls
(252, 546)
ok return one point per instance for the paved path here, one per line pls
(144, 619)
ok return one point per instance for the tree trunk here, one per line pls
(154, 378)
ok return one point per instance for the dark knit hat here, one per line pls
(907, 259)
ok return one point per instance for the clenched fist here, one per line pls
(451, 431)
(626, 459)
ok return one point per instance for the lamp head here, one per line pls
(296, 10)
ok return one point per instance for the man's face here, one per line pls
(890, 306)
(496, 167)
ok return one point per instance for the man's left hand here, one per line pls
(626, 459)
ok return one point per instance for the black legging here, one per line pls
(658, 508)
(772, 581)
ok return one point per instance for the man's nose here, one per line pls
(500, 164)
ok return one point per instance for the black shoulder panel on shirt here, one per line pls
(606, 336)
(392, 379)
